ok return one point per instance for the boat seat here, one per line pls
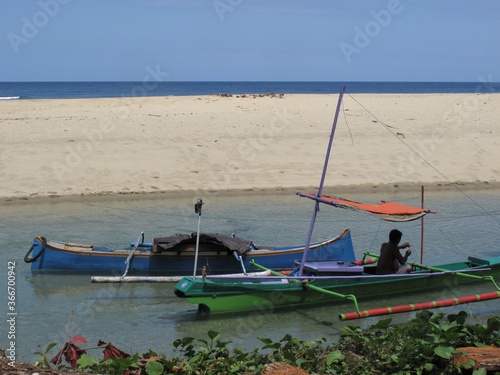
(370, 269)
(80, 245)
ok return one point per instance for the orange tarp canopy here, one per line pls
(389, 211)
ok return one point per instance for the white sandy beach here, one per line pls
(219, 143)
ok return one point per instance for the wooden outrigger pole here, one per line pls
(320, 188)
(422, 229)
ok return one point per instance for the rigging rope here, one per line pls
(345, 120)
(425, 160)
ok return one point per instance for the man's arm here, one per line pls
(401, 259)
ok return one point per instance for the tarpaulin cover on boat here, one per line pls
(208, 242)
(388, 211)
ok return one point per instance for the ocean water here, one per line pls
(72, 90)
(139, 317)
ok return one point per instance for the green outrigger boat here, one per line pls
(333, 281)
(226, 294)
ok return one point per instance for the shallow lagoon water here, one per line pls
(139, 317)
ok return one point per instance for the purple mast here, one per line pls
(320, 189)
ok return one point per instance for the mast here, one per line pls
(323, 176)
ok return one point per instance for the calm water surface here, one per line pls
(139, 317)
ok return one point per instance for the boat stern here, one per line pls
(35, 253)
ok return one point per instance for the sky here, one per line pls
(250, 40)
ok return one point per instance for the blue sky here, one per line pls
(254, 40)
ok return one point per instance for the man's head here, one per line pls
(395, 236)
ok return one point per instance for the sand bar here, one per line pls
(53, 148)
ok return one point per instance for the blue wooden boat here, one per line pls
(175, 255)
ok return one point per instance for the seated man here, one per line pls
(391, 260)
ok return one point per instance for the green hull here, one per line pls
(236, 294)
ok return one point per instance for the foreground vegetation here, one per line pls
(426, 345)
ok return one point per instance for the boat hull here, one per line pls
(69, 257)
(228, 295)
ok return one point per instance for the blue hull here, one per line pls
(68, 257)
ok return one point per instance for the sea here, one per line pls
(74, 90)
(53, 307)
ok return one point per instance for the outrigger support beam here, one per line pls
(437, 269)
(140, 240)
(274, 273)
(239, 258)
(306, 283)
(350, 297)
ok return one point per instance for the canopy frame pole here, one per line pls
(320, 188)
(197, 209)
(422, 230)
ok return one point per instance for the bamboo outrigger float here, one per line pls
(420, 306)
(333, 281)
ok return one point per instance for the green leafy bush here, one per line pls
(425, 345)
